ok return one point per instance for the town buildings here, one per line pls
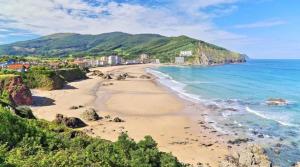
(144, 58)
(114, 60)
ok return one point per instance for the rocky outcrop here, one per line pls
(70, 122)
(277, 102)
(90, 115)
(14, 91)
(253, 156)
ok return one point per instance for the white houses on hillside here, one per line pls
(186, 53)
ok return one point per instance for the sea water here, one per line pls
(240, 93)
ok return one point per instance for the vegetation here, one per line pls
(31, 142)
(45, 78)
(127, 45)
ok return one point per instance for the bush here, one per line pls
(38, 143)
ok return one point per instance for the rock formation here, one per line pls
(90, 115)
(253, 156)
(14, 91)
(70, 122)
(276, 102)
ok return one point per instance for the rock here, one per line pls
(276, 102)
(107, 76)
(90, 115)
(260, 136)
(97, 73)
(15, 91)
(145, 77)
(120, 77)
(71, 122)
(73, 108)
(297, 164)
(239, 141)
(74, 134)
(231, 109)
(117, 119)
(213, 107)
(253, 156)
(24, 112)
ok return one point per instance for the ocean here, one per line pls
(239, 92)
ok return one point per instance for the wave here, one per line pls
(179, 88)
(259, 113)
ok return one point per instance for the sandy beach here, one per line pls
(147, 108)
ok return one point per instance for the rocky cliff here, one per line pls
(14, 91)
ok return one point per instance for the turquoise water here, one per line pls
(240, 91)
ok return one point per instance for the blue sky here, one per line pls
(260, 29)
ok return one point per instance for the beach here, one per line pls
(147, 108)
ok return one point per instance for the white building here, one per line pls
(157, 61)
(186, 53)
(114, 60)
(144, 58)
(179, 60)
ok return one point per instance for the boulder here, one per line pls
(24, 112)
(107, 76)
(120, 77)
(253, 156)
(97, 73)
(297, 164)
(90, 115)
(71, 122)
(117, 119)
(14, 90)
(239, 141)
(276, 102)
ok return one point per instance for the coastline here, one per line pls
(148, 108)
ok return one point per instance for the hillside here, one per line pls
(32, 142)
(127, 45)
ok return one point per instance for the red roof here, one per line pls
(18, 66)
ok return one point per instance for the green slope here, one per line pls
(30, 142)
(127, 45)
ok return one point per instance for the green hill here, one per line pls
(127, 45)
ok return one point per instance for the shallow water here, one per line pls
(239, 93)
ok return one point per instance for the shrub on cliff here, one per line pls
(25, 142)
(71, 74)
(43, 78)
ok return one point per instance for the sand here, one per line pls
(148, 109)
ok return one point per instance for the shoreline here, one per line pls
(148, 108)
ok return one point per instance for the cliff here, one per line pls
(14, 91)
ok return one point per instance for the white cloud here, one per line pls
(262, 24)
(44, 17)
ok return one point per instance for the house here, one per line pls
(179, 60)
(144, 58)
(19, 67)
(114, 60)
(186, 53)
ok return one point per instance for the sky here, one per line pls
(258, 28)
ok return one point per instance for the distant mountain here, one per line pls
(127, 45)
